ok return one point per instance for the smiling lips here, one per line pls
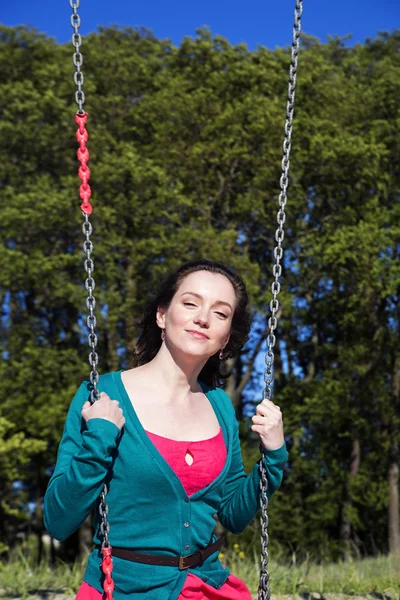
(198, 335)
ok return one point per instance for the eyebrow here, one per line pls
(201, 298)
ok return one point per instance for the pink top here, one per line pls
(209, 458)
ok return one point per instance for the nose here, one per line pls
(201, 321)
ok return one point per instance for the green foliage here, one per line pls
(185, 148)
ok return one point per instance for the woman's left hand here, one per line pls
(267, 422)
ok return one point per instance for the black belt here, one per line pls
(183, 562)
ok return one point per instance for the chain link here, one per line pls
(87, 229)
(264, 592)
(91, 320)
(77, 58)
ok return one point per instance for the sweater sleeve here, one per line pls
(84, 455)
(241, 499)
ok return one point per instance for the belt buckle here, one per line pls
(182, 567)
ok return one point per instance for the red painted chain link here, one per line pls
(83, 156)
(107, 567)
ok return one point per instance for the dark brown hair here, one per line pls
(149, 341)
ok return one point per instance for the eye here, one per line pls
(218, 313)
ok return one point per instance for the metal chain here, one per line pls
(264, 592)
(90, 282)
(77, 58)
(91, 320)
(93, 357)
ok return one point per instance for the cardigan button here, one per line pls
(187, 524)
(187, 500)
(187, 547)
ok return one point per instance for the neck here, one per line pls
(176, 374)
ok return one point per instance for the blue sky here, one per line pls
(253, 22)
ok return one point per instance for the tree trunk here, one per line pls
(345, 525)
(393, 471)
(246, 376)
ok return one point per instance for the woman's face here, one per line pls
(198, 320)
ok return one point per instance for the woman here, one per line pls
(164, 437)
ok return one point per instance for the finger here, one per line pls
(270, 419)
(264, 410)
(258, 420)
(257, 429)
(268, 405)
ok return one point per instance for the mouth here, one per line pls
(198, 335)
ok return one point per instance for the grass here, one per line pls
(372, 576)
(380, 576)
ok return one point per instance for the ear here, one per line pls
(160, 316)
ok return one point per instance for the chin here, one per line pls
(195, 352)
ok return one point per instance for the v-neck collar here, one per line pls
(157, 456)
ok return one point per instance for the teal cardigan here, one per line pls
(149, 509)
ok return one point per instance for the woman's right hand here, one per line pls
(104, 408)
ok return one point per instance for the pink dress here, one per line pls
(209, 457)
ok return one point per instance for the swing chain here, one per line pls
(94, 359)
(77, 58)
(264, 592)
(84, 174)
(90, 304)
(104, 525)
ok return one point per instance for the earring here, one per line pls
(163, 334)
(221, 355)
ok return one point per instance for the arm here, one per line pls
(84, 456)
(241, 499)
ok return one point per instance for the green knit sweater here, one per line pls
(149, 510)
